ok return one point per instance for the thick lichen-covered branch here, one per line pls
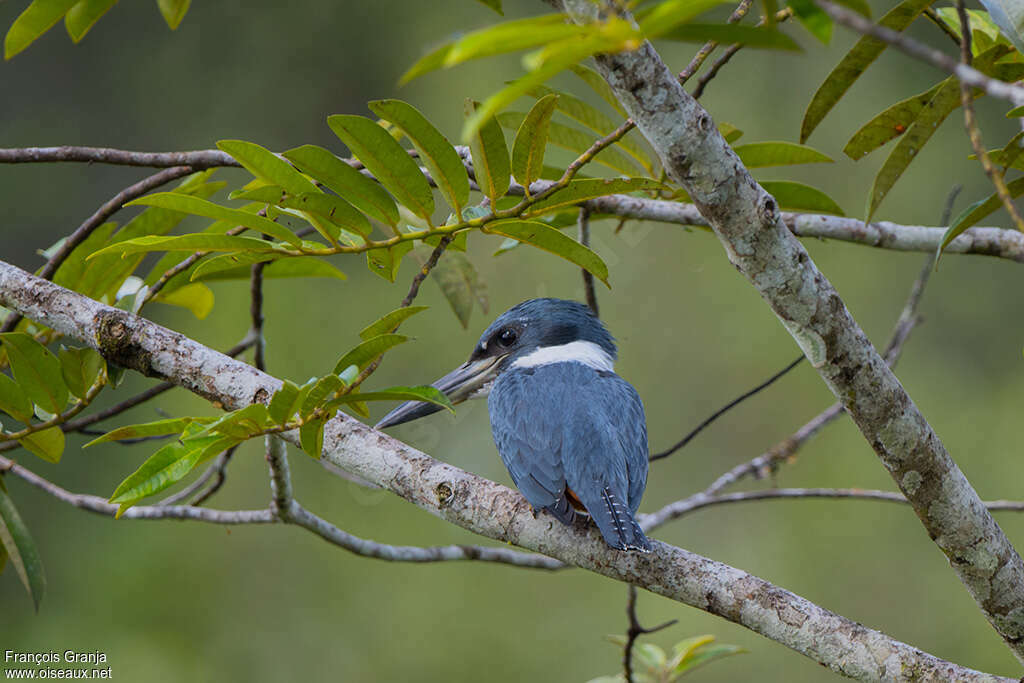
(749, 225)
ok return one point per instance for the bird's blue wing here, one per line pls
(569, 425)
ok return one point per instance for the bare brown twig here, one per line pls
(634, 631)
(588, 279)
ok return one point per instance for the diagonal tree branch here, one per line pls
(477, 504)
(748, 222)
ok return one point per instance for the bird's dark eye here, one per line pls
(507, 337)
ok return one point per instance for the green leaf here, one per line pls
(269, 194)
(436, 153)
(303, 266)
(241, 424)
(509, 36)
(945, 101)
(531, 141)
(201, 207)
(80, 369)
(582, 190)
(976, 211)
(311, 436)
(158, 428)
(750, 36)
(193, 242)
(267, 166)
(730, 132)
(48, 443)
(817, 23)
(1016, 112)
(595, 120)
(763, 154)
(195, 296)
(37, 371)
(856, 61)
(386, 160)
(363, 193)
(460, 284)
(173, 11)
(578, 142)
(385, 262)
(333, 208)
(696, 652)
(324, 388)
(669, 14)
(493, 4)
(390, 322)
(84, 15)
(368, 351)
(800, 197)
(890, 124)
(599, 86)
(166, 467)
(283, 403)
(491, 162)
(13, 400)
(36, 20)
(21, 549)
(215, 268)
(421, 393)
(544, 237)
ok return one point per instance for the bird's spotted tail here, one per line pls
(617, 525)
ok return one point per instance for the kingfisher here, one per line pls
(571, 432)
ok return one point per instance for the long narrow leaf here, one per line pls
(435, 151)
(201, 207)
(386, 160)
(531, 141)
(353, 186)
(491, 161)
(21, 549)
(545, 237)
(36, 20)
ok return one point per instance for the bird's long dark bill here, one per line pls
(457, 385)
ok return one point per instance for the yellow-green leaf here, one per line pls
(386, 160)
(427, 394)
(976, 211)
(311, 436)
(491, 162)
(194, 242)
(267, 166)
(363, 193)
(48, 443)
(158, 428)
(800, 197)
(80, 367)
(581, 190)
(84, 15)
(13, 399)
(283, 403)
(335, 209)
(195, 296)
(37, 371)
(201, 207)
(386, 261)
(889, 124)
(531, 141)
(762, 154)
(577, 141)
(368, 351)
(36, 20)
(436, 153)
(389, 323)
(173, 11)
(545, 237)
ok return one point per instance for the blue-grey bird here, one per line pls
(571, 432)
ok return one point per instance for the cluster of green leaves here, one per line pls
(913, 121)
(306, 408)
(79, 17)
(651, 664)
(44, 389)
(558, 44)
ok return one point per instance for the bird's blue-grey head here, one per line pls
(535, 332)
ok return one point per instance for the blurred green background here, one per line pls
(169, 601)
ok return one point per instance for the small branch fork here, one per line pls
(634, 631)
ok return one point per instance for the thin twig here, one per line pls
(724, 409)
(98, 218)
(702, 500)
(702, 83)
(182, 266)
(971, 124)
(635, 631)
(588, 279)
(943, 26)
(421, 275)
(707, 48)
(198, 160)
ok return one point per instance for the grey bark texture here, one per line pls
(479, 505)
(749, 225)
